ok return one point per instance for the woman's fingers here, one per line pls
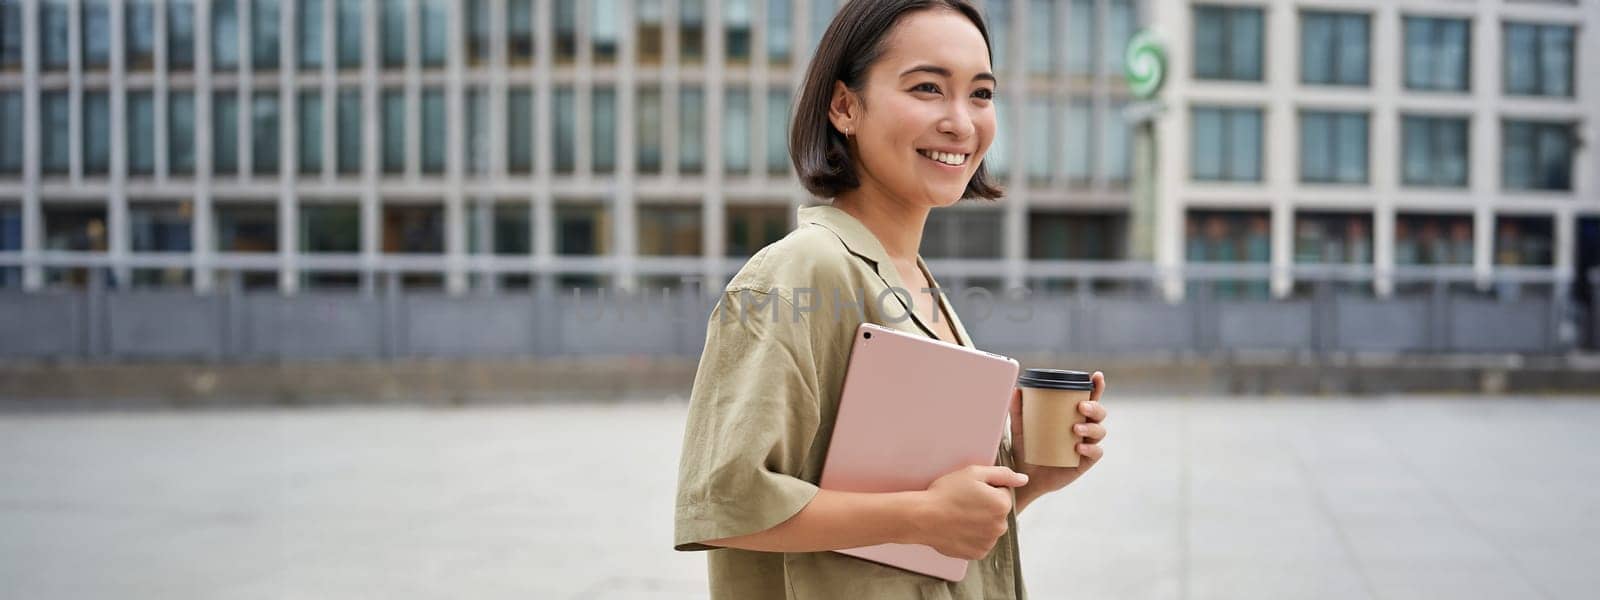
(1099, 381)
(1091, 452)
(1092, 410)
(1092, 432)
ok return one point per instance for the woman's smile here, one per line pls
(949, 162)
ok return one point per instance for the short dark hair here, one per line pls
(852, 43)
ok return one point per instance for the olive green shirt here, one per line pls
(762, 409)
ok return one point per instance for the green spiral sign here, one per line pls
(1145, 64)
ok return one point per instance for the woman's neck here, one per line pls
(897, 225)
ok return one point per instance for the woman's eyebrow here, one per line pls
(943, 72)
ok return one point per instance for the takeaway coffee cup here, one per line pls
(1050, 400)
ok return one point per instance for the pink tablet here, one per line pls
(913, 409)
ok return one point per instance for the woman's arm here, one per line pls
(835, 520)
(961, 514)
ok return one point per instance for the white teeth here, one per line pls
(948, 158)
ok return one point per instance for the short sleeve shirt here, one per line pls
(762, 408)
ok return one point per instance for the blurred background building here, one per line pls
(497, 147)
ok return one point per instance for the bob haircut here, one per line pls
(853, 42)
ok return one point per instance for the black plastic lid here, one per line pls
(1056, 379)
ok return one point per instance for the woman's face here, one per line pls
(928, 117)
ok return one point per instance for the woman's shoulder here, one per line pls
(810, 256)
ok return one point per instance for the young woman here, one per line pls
(893, 121)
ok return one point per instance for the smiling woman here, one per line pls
(893, 121)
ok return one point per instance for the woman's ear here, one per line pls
(844, 109)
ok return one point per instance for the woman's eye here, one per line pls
(926, 87)
(985, 93)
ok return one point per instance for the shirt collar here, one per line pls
(863, 243)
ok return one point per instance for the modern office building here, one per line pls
(493, 144)
(1384, 136)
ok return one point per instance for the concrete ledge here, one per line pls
(56, 386)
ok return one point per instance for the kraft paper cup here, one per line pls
(1050, 400)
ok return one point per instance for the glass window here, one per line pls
(180, 133)
(264, 34)
(141, 133)
(160, 226)
(246, 228)
(1076, 236)
(96, 33)
(1081, 31)
(778, 108)
(605, 30)
(582, 229)
(11, 132)
(392, 35)
(331, 228)
(519, 31)
(1321, 238)
(649, 126)
(264, 133)
(308, 26)
(1080, 139)
(310, 138)
(822, 12)
(736, 17)
(1225, 144)
(435, 132)
(1428, 239)
(751, 228)
(1434, 151)
(349, 131)
(1537, 155)
(10, 228)
(139, 34)
(74, 227)
(435, 32)
(691, 31)
(349, 41)
(413, 229)
(1524, 241)
(394, 130)
(225, 132)
(1118, 156)
(604, 118)
(56, 108)
(1122, 21)
(1438, 55)
(669, 230)
(180, 34)
(736, 131)
(520, 134)
(476, 139)
(691, 130)
(96, 133)
(1041, 41)
(1228, 236)
(476, 12)
(1039, 140)
(53, 22)
(1333, 147)
(962, 234)
(566, 26)
(11, 36)
(1227, 43)
(999, 20)
(512, 229)
(780, 24)
(566, 135)
(1333, 48)
(1538, 59)
(225, 35)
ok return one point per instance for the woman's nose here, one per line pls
(957, 123)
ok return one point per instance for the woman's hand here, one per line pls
(1045, 479)
(963, 513)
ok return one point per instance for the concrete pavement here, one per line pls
(1197, 498)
